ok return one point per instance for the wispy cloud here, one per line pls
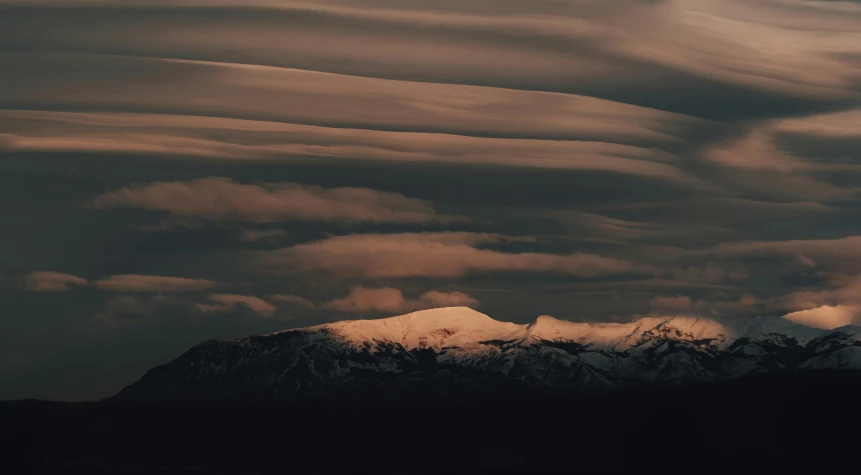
(153, 284)
(438, 255)
(221, 199)
(290, 299)
(226, 302)
(49, 281)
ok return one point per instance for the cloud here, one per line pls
(391, 300)
(220, 199)
(746, 305)
(254, 140)
(773, 48)
(716, 211)
(837, 290)
(390, 146)
(48, 281)
(711, 272)
(448, 299)
(137, 309)
(292, 300)
(827, 317)
(842, 255)
(832, 125)
(255, 235)
(437, 255)
(763, 160)
(153, 284)
(227, 302)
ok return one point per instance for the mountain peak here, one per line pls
(448, 313)
(439, 326)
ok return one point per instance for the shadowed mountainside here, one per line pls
(776, 421)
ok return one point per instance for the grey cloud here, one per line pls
(683, 305)
(839, 255)
(225, 302)
(591, 226)
(254, 235)
(391, 300)
(291, 300)
(720, 211)
(153, 284)
(133, 310)
(219, 199)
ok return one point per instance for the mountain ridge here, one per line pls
(460, 350)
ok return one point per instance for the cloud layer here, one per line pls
(436, 255)
(220, 199)
(49, 281)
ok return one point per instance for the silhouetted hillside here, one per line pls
(773, 421)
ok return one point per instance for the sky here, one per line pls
(177, 171)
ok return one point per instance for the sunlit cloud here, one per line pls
(438, 255)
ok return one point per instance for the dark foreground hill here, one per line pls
(794, 421)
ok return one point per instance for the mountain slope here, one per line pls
(460, 351)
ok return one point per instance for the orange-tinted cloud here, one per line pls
(392, 300)
(223, 199)
(837, 290)
(226, 302)
(153, 283)
(48, 281)
(247, 139)
(447, 254)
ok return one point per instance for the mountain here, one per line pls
(459, 351)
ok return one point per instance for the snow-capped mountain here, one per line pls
(459, 349)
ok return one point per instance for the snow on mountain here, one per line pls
(461, 349)
(452, 326)
(827, 317)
